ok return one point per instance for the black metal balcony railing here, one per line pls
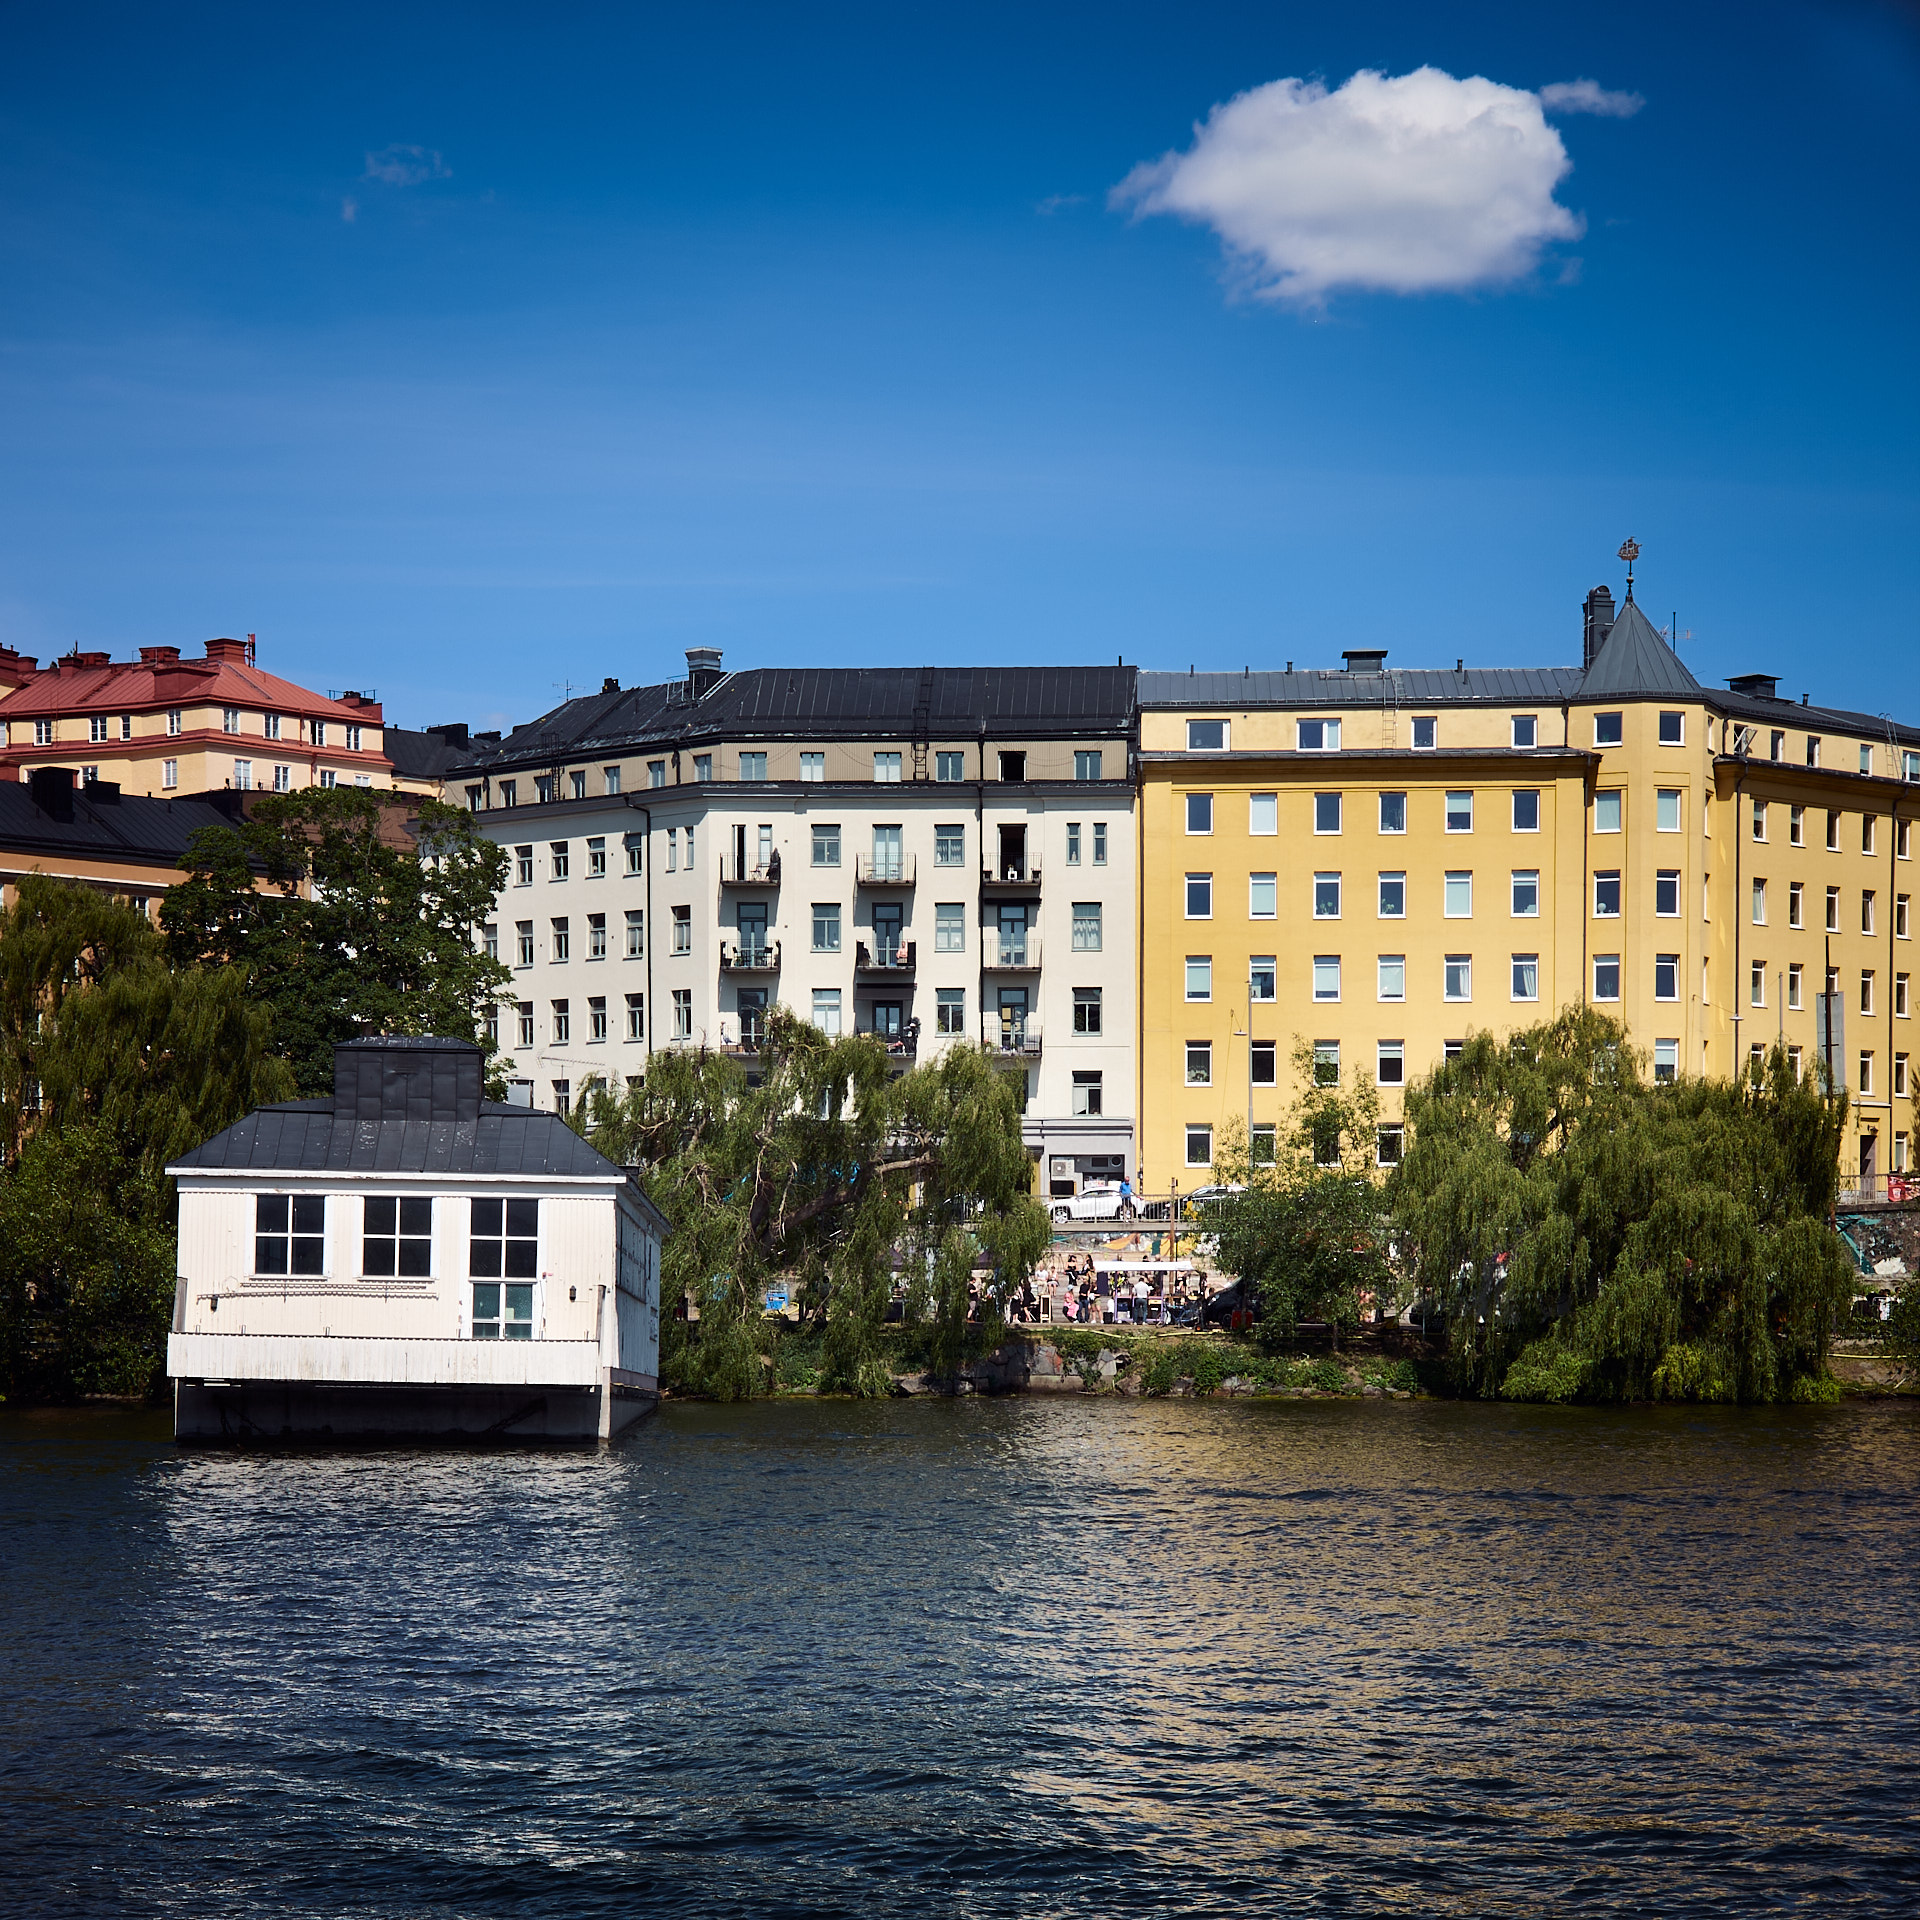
(1019, 1039)
(883, 869)
(903, 1045)
(1003, 952)
(894, 959)
(750, 956)
(1013, 876)
(750, 872)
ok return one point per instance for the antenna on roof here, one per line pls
(1629, 552)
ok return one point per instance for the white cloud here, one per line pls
(1417, 183)
(1589, 96)
(406, 166)
(349, 209)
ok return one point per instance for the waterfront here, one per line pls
(984, 1656)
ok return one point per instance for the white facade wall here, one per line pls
(1053, 817)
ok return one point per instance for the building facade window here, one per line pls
(1326, 813)
(826, 1009)
(1526, 976)
(1393, 813)
(1263, 813)
(1392, 976)
(1460, 813)
(1457, 977)
(1426, 731)
(597, 858)
(1199, 976)
(826, 926)
(1525, 893)
(1199, 813)
(950, 1010)
(1606, 894)
(753, 766)
(1199, 1063)
(562, 1023)
(1206, 736)
(1458, 896)
(1390, 1063)
(596, 936)
(683, 1013)
(1199, 1146)
(169, 773)
(949, 766)
(826, 846)
(1606, 729)
(290, 1233)
(1262, 978)
(1087, 1010)
(1199, 896)
(523, 935)
(886, 768)
(1666, 893)
(396, 1238)
(1099, 843)
(1393, 896)
(1326, 976)
(1326, 896)
(1673, 729)
(1666, 976)
(1086, 766)
(1317, 736)
(1666, 1062)
(1073, 843)
(1606, 976)
(636, 1016)
(1606, 811)
(682, 933)
(1526, 810)
(524, 1021)
(1524, 730)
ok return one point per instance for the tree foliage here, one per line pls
(343, 923)
(1592, 1236)
(1309, 1233)
(830, 1171)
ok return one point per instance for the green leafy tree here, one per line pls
(829, 1170)
(344, 920)
(1591, 1236)
(1309, 1233)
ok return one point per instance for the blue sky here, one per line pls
(467, 352)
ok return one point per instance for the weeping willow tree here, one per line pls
(1590, 1236)
(831, 1172)
(111, 1063)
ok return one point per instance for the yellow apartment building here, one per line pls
(162, 724)
(1381, 862)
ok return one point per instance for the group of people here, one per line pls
(1078, 1291)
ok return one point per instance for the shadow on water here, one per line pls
(1015, 1656)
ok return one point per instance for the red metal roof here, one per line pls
(89, 682)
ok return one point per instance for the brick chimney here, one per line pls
(1599, 611)
(234, 650)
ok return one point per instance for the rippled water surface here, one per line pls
(984, 1657)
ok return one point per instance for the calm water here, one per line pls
(982, 1657)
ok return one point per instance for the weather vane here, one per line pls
(1629, 552)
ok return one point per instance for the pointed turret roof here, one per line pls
(1634, 660)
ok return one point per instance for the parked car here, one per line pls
(1097, 1200)
(1234, 1305)
(1192, 1203)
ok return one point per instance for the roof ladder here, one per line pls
(1390, 711)
(922, 723)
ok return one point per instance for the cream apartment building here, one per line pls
(927, 854)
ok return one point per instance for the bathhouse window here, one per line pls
(290, 1233)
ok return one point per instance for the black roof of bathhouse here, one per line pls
(53, 813)
(1008, 703)
(402, 1106)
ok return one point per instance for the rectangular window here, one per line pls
(1086, 1093)
(1206, 736)
(1666, 893)
(490, 940)
(1757, 983)
(1326, 813)
(504, 1241)
(1673, 729)
(682, 930)
(826, 846)
(1073, 843)
(43, 733)
(1902, 916)
(1666, 1062)
(1794, 976)
(97, 729)
(524, 1015)
(1317, 736)
(1458, 976)
(1086, 1009)
(596, 936)
(229, 719)
(562, 1023)
(1199, 1146)
(1666, 810)
(557, 947)
(1262, 1069)
(1086, 926)
(176, 723)
(1813, 749)
(1261, 977)
(1459, 813)
(1393, 896)
(636, 1016)
(636, 934)
(1013, 766)
(578, 780)
(353, 736)
(1199, 976)
(1900, 1075)
(886, 768)
(753, 766)
(1526, 976)
(1759, 903)
(1426, 731)
(1526, 893)
(1199, 813)
(1866, 909)
(703, 767)
(397, 1239)
(950, 845)
(1606, 894)
(1326, 976)
(1606, 811)
(611, 775)
(1393, 813)
(1796, 826)
(1326, 896)
(328, 778)
(657, 772)
(826, 926)
(1903, 829)
(1866, 991)
(596, 859)
(126, 729)
(950, 927)
(1868, 837)
(1833, 832)
(1866, 1072)
(1099, 843)
(1392, 976)
(1388, 1145)
(243, 775)
(1833, 909)
(950, 1010)
(1606, 729)
(1086, 766)
(1199, 896)
(1525, 730)
(1526, 810)
(1459, 896)
(1263, 813)
(169, 773)
(1900, 996)
(597, 1019)
(290, 1233)
(1390, 1063)
(947, 766)
(1326, 1063)
(1606, 976)
(1666, 976)
(1199, 1063)
(557, 863)
(683, 1012)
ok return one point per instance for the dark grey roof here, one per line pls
(308, 1136)
(425, 754)
(1634, 660)
(946, 703)
(1811, 719)
(1331, 687)
(105, 825)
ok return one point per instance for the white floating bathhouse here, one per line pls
(411, 1261)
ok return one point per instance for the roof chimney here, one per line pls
(234, 650)
(1599, 611)
(1365, 659)
(1756, 686)
(703, 670)
(159, 656)
(52, 791)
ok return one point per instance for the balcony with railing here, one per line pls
(883, 869)
(1004, 952)
(885, 960)
(1011, 1040)
(750, 872)
(750, 956)
(902, 1045)
(1016, 877)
